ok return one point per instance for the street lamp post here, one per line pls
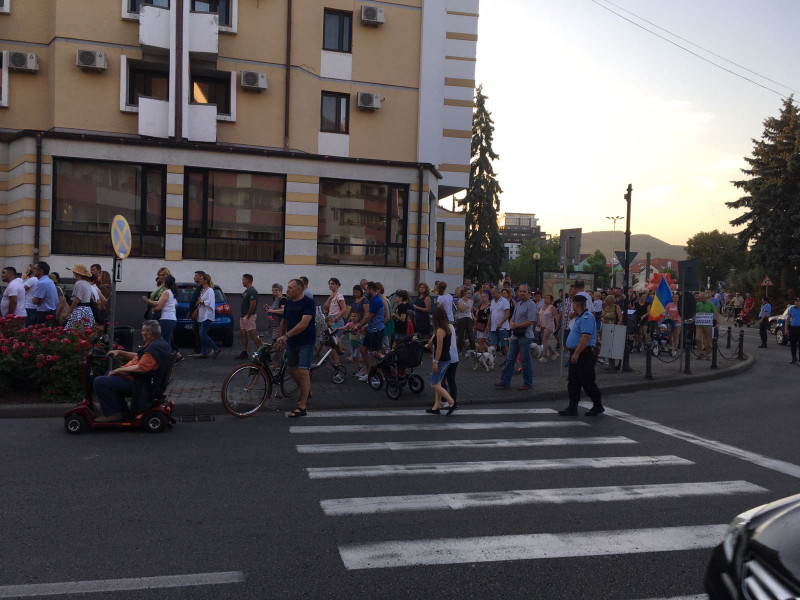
(613, 233)
(536, 258)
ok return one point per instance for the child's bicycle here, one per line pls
(248, 387)
(397, 369)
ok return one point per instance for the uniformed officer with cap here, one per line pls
(581, 345)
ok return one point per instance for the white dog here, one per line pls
(536, 350)
(482, 359)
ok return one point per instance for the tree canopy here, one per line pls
(596, 264)
(716, 254)
(523, 268)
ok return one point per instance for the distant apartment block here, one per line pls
(516, 229)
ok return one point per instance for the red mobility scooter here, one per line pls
(157, 416)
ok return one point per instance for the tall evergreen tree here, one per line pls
(771, 205)
(483, 248)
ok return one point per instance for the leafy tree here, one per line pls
(771, 203)
(483, 248)
(523, 268)
(716, 254)
(596, 264)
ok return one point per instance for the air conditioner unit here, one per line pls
(90, 60)
(372, 15)
(23, 61)
(253, 80)
(369, 101)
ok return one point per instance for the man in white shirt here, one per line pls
(445, 300)
(13, 302)
(500, 311)
(30, 283)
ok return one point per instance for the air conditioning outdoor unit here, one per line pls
(253, 80)
(369, 101)
(23, 61)
(90, 60)
(372, 15)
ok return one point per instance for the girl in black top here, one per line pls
(482, 318)
(402, 312)
(422, 308)
(441, 340)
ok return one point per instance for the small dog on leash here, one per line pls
(482, 359)
(536, 350)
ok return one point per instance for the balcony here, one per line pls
(202, 34)
(201, 123)
(154, 28)
(154, 118)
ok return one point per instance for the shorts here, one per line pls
(299, 357)
(247, 323)
(499, 338)
(373, 341)
(436, 378)
(355, 349)
(482, 335)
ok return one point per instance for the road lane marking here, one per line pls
(382, 555)
(760, 460)
(418, 413)
(493, 466)
(119, 585)
(469, 444)
(390, 504)
(696, 597)
(447, 426)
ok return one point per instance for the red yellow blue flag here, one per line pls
(662, 298)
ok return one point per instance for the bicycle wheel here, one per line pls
(245, 390)
(289, 387)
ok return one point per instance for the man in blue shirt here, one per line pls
(298, 334)
(45, 295)
(374, 322)
(791, 327)
(581, 346)
(763, 323)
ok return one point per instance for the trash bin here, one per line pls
(123, 335)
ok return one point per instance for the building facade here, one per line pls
(277, 138)
(516, 229)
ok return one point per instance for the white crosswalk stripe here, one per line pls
(467, 444)
(447, 426)
(350, 414)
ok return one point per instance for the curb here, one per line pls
(27, 411)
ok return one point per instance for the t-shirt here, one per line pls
(498, 317)
(672, 312)
(526, 311)
(793, 316)
(16, 289)
(248, 295)
(400, 326)
(30, 288)
(585, 323)
(334, 310)
(46, 290)
(293, 313)
(446, 302)
(82, 291)
(378, 312)
(359, 307)
(464, 312)
(705, 307)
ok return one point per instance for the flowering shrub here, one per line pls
(44, 359)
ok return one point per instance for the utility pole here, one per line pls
(628, 242)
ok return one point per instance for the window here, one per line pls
(87, 195)
(337, 31)
(147, 79)
(221, 7)
(232, 215)
(362, 223)
(335, 113)
(440, 247)
(212, 87)
(5, 6)
(135, 5)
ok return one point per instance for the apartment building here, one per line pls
(276, 137)
(516, 229)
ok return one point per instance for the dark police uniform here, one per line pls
(581, 374)
(793, 323)
(764, 315)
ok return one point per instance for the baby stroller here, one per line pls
(660, 338)
(743, 318)
(397, 369)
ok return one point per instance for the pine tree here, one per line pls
(483, 248)
(772, 202)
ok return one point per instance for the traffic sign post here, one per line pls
(767, 283)
(121, 242)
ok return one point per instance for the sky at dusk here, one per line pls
(585, 103)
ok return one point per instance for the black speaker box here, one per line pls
(688, 276)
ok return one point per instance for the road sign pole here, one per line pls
(112, 312)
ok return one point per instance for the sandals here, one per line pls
(297, 412)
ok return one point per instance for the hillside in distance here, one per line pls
(641, 243)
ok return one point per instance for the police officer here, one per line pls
(791, 327)
(581, 345)
(763, 316)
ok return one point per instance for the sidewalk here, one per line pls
(196, 385)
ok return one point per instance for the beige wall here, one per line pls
(30, 104)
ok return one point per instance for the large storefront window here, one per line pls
(233, 216)
(362, 223)
(88, 194)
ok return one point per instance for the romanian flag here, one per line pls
(662, 298)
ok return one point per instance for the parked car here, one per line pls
(776, 326)
(759, 556)
(221, 329)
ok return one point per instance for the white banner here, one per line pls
(704, 319)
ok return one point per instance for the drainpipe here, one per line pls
(37, 228)
(179, 70)
(287, 94)
(419, 225)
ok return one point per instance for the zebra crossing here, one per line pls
(414, 460)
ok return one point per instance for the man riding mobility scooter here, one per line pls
(144, 377)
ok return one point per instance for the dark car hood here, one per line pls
(777, 542)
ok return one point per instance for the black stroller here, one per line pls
(397, 369)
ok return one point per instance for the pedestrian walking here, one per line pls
(205, 316)
(441, 341)
(29, 281)
(674, 316)
(388, 324)
(306, 289)
(193, 304)
(80, 311)
(103, 284)
(422, 309)
(402, 315)
(45, 297)
(703, 332)
(13, 302)
(167, 307)
(449, 382)
(465, 324)
(445, 300)
(356, 341)
(548, 323)
(482, 322)
(500, 312)
(738, 304)
(275, 311)
(373, 323)
(763, 320)
(149, 313)
(248, 316)
(335, 308)
(521, 327)
(298, 335)
(791, 327)
(581, 347)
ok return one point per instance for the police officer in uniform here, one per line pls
(581, 345)
(763, 316)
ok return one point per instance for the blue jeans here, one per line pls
(111, 391)
(31, 318)
(205, 339)
(518, 346)
(168, 331)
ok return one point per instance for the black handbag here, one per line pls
(519, 331)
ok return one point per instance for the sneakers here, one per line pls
(360, 372)
(543, 359)
(216, 353)
(363, 377)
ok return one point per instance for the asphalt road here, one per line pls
(267, 508)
